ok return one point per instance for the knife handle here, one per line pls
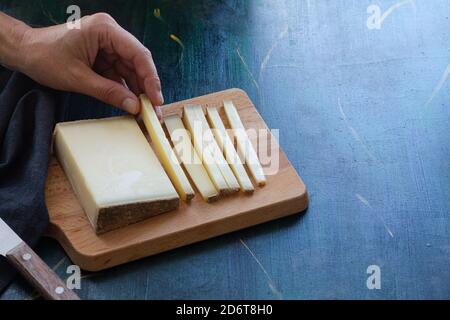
(38, 273)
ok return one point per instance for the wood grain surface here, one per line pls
(198, 220)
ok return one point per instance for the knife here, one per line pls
(28, 263)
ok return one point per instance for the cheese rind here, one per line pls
(113, 171)
(244, 145)
(205, 138)
(189, 157)
(230, 153)
(164, 150)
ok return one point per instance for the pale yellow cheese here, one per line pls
(189, 157)
(230, 153)
(196, 129)
(244, 145)
(164, 150)
(211, 144)
(113, 171)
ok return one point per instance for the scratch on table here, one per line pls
(144, 35)
(33, 296)
(157, 15)
(395, 7)
(269, 279)
(287, 66)
(381, 61)
(180, 43)
(247, 68)
(173, 37)
(363, 200)
(439, 85)
(146, 287)
(268, 55)
(60, 262)
(48, 14)
(354, 132)
(308, 4)
(90, 275)
(367, 204)
(177, 40)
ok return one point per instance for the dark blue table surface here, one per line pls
(364, 116)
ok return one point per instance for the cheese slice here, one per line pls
(244, 144)
(189, 157)
(113, 171)
(212, 167)
(211, 144)
(164, 150)
(230, 153)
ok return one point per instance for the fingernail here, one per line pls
(130, 105)
(161, 98)
(159, 112)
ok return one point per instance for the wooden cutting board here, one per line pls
(284, 194)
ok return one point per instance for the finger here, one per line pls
(147, 73)
(130, 49)
(129, 76)
(112, 68)
(112, 75)
(158, 111)
(108, 91)
(104, 61)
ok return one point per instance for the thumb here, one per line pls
(109, 91)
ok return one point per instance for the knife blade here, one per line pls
(8, 238)
(28, 263)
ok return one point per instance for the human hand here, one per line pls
(100, 59)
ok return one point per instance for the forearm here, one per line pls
(11, 35)
(94, 60)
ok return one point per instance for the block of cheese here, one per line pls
(164, 150)
(227, 146)
(206, 145)
(113, 171)
(244, 144)
(189, 157)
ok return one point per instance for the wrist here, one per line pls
(12, 35)
(20, 47)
